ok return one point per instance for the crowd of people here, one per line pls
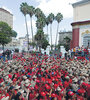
(36, 77)
(6, 54)
(79, 52)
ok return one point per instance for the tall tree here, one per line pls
(14, 33)
(40, 23)
(67, 43)
(51, 19)
(39, 37)
(47, 23)
(5, 34)
(38, 12)
(31, 12)
(24, 10)
(58, 18)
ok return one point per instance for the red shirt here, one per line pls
(79, 97)
(66, 84)
(1, 80)
(9, 75)
(31, 96)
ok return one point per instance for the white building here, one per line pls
(20, 43)
(6, 16)
(81, 24)
(23, 44)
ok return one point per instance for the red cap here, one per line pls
(81, 91)
(49, 81)
(84, 84)
(56, 79)
(47, 86)
(37, 81)
(53, 95)
(55, 85)
(43, 79)
(31, 88)
(60, 84)
(58, 76)
(43, 93)
(70, 93)
(36, 87)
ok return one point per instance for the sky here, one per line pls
(47, 6)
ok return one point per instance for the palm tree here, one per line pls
(40, 23)
(67, 43)
(58, 18)
(23, 9)
(47, 23)
(51, 18)
(38, 12)
(39, 37)
(31, 11)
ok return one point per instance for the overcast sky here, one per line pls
(47, 6)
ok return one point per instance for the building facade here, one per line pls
(81, 24)
(62, 35)
(20, 43)
(6, 16)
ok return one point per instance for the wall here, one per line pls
(84, 31)
(81, 12)
(6, 17)
(62, 35)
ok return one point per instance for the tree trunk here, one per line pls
(27, 34)
(51, 34)
(3, 47)
(56, 35)
(47, 32)
(31, 28)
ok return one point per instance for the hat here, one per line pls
(49, 81)
(53, 95)
(21, 91)
(37, 81)
(10, 81)
(43, 94)
(24, 77)
(47, 86)
(60, 84)
(80, 91)
(67, 77)
(58, 88)
(74, 80)
(27, 81)
(27, 84)
(84, 84)
(70, 74)
(2, 83)
(34, 76)
(55, 85)
(70, 93)
(17, 87)
(31, 88)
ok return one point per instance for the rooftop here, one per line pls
(82, 2)
(4, 10)
(66, 32)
